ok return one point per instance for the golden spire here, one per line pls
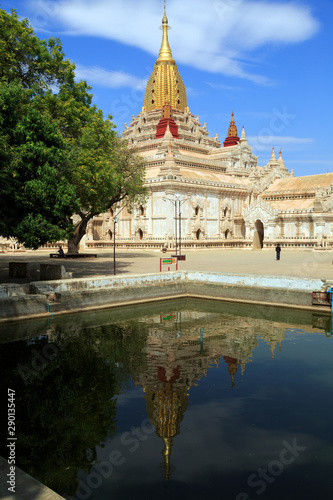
(165, 53)
(165, 82)
(232, 132)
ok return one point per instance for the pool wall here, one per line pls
(42, 298)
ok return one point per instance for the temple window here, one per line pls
(141, 210)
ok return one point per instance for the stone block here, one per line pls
(23, 270)
(53, 272)
(12, 290)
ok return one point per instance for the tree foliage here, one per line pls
(58, 154)
(26, 59)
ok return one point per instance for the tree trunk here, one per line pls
(80, 231)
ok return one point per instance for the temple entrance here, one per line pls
(258, 240)
(140, 232)
(198, 233)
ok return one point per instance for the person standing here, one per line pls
(278, 251)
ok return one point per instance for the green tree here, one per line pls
(26, 59)
(37, 199)
(59, 156)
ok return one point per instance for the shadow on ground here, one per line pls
(80, 267)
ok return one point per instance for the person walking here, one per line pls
(278, 251)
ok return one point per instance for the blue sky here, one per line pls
(268, 61)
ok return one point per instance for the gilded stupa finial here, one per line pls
(165, 53)
(165, 82)
(232, 139)
(232, 132)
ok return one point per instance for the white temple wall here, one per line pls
(289, 229)
(211, 216)
(270, 231)
(156, 212)
(207, 213)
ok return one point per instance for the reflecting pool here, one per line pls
(181, 400)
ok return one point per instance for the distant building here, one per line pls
(211, 196)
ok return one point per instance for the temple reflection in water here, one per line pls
(181, 347)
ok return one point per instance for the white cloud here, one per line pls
(194, 92)
(265, 142)
(219, 86)
(111, 79)
(214, 35)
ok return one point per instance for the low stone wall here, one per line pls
(26, 487)
(72, 295)
(250, 280)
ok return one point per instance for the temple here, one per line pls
(224, 198)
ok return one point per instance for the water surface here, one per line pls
(185, 399)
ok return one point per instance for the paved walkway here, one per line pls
(298, 263)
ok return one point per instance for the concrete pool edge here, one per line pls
(68, 296)
(25, 485)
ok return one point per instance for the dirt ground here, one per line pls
(298, 263)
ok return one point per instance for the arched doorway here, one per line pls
(198, 233)
(109, 235)
(140, 234)
(227, 234)
(258, 240)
